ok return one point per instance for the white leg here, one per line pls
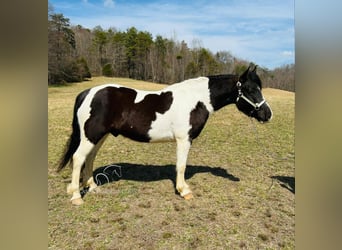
(79, 158)
(183, 147)
(88, 179)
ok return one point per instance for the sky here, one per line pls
(260, 31)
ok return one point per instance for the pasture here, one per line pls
(241, 174)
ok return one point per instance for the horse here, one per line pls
(177, 113)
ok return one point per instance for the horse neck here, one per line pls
(223, 90)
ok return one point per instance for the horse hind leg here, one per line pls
(78, 160)
(88, 179)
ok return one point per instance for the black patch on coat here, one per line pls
(113, 111)
(222, 90)
(198, 117)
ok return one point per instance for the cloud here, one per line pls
(287, 53)
(108, 3)
(261, 31)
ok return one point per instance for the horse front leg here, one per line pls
(183, 147)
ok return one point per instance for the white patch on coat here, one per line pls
(175, 123)
(83, 112)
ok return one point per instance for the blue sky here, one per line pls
(258, 31)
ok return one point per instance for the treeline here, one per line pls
(76, 53)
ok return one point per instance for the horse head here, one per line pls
(250, 100)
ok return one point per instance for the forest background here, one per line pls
(76, 53)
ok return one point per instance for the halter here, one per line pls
(256, 105)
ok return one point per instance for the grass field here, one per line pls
(241, 174)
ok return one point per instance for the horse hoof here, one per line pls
(188, 196)
(77, 202)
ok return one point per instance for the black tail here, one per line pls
(75, 138)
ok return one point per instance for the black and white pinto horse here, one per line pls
(175, 113)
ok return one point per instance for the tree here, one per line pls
(144, 42)
(61, 47)
(280, 78)
(64, 62)
(240, 67)
(226, 61)
(107, 70)
(131, 51)
(137, 48)
(158, 59)
(85, 48)
(99, 42)
(119, 59)
(182, 59)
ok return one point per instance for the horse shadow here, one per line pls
(149, 173)
(286, 182)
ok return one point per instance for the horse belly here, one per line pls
(161, 129)
(167, 128)
(161, 134)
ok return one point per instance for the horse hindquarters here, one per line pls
(81, 149)
(75, 137)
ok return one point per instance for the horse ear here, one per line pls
(255, 67)
(244, 75)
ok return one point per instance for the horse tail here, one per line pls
(75, 137)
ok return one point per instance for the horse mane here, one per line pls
(223, 76)
(252, 75)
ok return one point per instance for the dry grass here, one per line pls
(242, 184)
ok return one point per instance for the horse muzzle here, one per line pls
(262, 114)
